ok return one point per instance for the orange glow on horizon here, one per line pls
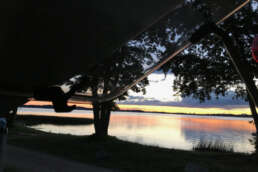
(190, 110)
(44, 103)
(166, 109)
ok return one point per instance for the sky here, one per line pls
(160, 97)
(159, 93)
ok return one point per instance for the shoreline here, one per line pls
(141, 111)
(115, 154)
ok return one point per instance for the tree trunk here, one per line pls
(255, 117)
(253, 111)
(101, 113)
(96, 117)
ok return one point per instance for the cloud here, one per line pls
(224, 102)
(160, 93)
(160, 88)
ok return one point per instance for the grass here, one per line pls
(10, 169)
(113, 153)
(217, 146)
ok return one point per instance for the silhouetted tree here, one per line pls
(201, 70)
(206, 69)
(111, 76)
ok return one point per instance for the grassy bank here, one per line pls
(116, 154)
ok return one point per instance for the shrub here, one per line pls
(217, 146)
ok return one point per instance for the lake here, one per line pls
(162, 130)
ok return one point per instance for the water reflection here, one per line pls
(232, 132)
(170, 131)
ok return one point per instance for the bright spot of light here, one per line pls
(160, 88)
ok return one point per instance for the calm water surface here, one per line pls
(163, 130)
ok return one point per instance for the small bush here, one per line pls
(217, 146)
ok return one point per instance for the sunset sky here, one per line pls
(160, 97)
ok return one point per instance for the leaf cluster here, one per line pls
(205, 69)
